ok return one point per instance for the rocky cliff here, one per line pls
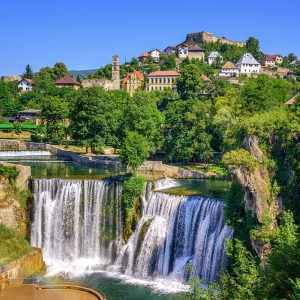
(13, 200)
(259, 198)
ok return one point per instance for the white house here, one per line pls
(247, 64)
(25, 85)
(213, 56)
(182, 51)
(229, 70)
(155, 53)
(170, 50)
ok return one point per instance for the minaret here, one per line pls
(116, 72)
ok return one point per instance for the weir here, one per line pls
(10, 154)
(79, 224)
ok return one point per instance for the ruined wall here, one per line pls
(207, 37)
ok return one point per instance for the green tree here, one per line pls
(168, 62)
(78, 79)
(18, 128)
(54, 112)
(8, 105)
(28, 72)
(241, 281)
(252, 46)
(190, 84)
(44, 79)
(59, 70)
(280, 273)
(292, 57)
(134, 150)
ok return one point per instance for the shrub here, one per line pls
(12, 245)
(240, 158)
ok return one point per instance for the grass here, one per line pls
(210, 170)
(25, 135)
(12, 245)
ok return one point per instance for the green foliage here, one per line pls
(8, 94)
(28, 72)
(262, 93)
(239, 283)
(12, 245)
(190, 84)
(168, 62)
(9, 172)
(278, 277)
(240, 158)
(55, 111)
(132, 188)
(252, 46)
(186, 131)
(241, 221)
(134, 150)
(198, 291)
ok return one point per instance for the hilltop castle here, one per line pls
(207, 37)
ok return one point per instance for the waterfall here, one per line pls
(77, 220)
(9, 154)
(173, 233)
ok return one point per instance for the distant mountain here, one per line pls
(82, 73)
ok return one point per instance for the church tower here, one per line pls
(116, 72)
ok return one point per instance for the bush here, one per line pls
(132, 188)
(12, 245)
(240, 158)
(9, 172)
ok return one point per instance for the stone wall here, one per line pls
(22, 146)
(21, 268)
(207, 37)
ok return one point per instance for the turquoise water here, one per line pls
(60, 167)
(112, 288)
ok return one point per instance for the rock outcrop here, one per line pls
(258, 197)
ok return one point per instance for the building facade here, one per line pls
(229, 69)
(155, 54)
(248, 65)
(67, 81)
(170, 50)
(269, 61)
(25, 85)
(196, 52)
(133, 81)
(212, 57)
(161, 80)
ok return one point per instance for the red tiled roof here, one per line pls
(163, 73)
(28, 80)
(144, 55)
(269, 58)
(138, 74)
(67, 80)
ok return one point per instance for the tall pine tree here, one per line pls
(28, 72)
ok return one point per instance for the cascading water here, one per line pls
(9, 154)
(81, 220)
(77, 219)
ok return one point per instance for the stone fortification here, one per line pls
(207, 37)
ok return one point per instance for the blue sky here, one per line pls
(85, 34)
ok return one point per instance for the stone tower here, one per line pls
(116, 72)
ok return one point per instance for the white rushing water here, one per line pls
(8, 154)
(78, 224)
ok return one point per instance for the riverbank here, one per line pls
(111, 160)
